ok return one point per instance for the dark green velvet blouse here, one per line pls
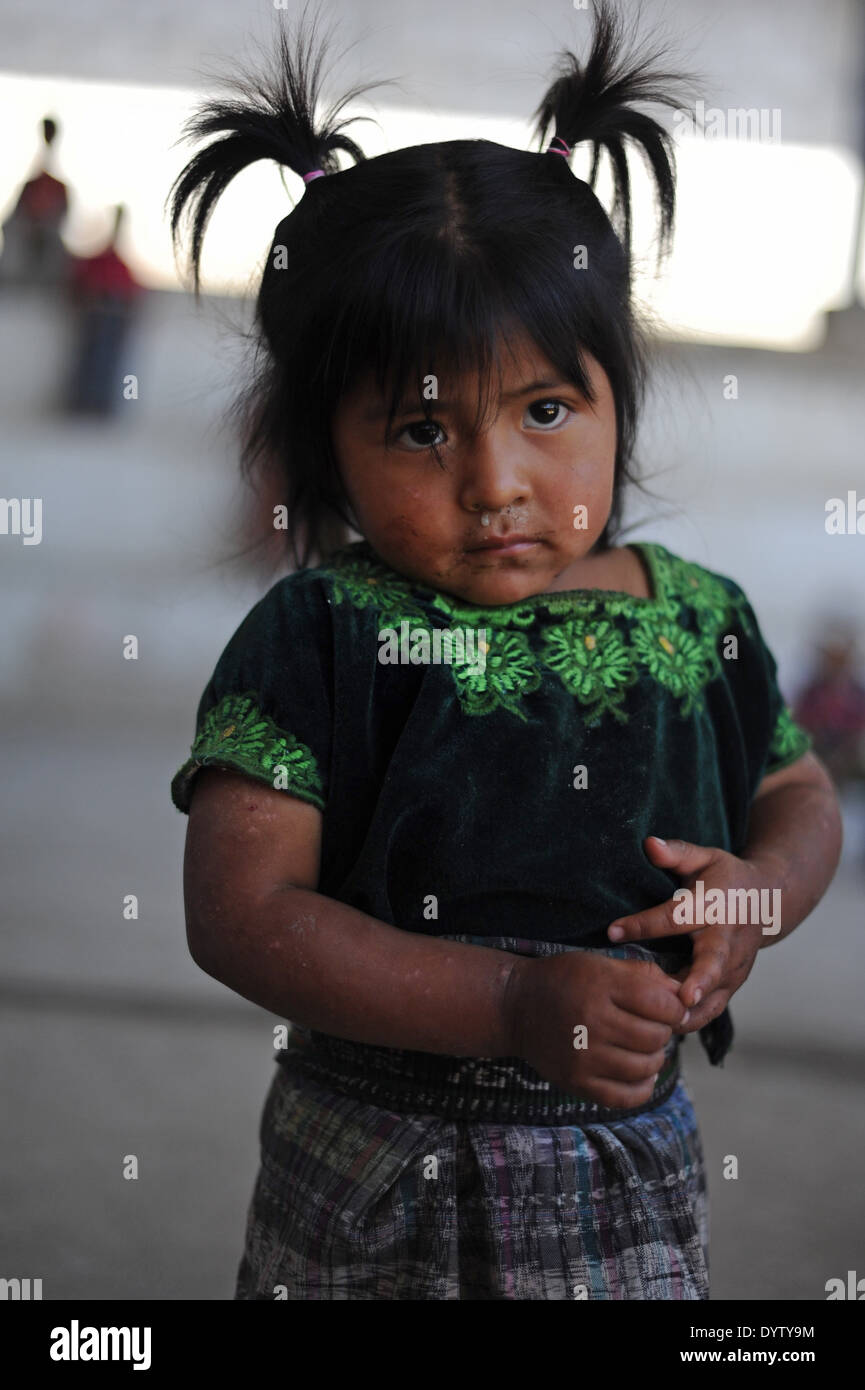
(506, 792)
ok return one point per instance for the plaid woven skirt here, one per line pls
(356, 1201)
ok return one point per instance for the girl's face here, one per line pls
(548, 454)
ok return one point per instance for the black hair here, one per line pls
(423, 260)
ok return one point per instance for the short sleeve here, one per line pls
(267, 709)
(787, 741)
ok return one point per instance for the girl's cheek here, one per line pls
(401, 530)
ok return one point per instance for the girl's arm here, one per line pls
(791, 854)
(255, 923)
(793, 845)
(795, 834)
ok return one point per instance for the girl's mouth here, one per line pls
(503, 545)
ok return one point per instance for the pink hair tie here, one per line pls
(316, 174)
(565, 151)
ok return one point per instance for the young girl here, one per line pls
(415, 849)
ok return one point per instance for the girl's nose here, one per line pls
(493, 477)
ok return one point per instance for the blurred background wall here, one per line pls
(115, 1043)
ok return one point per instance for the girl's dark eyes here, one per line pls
(544, 408)
(429, 434)
(423, 433)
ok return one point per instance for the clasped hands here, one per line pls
(723, 954)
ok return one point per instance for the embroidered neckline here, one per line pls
(596, 641)
(675, 636)
(558, 601)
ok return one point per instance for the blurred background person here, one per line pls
(831, 706)
(105, 298)
(33, 250)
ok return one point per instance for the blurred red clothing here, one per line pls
(833, 706)
(43, 198)
(104, 274)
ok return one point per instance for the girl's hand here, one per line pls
(628, 1008)
(723, 954)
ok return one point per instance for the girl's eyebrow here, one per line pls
(407, 408)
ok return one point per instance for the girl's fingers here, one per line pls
(618, 1064)
(707, 971)
(682, 857)
(710, 1007)
(656, 999)
(639, 1034)
(646, 925)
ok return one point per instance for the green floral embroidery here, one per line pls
(369, 584)
(521, 615)
(509, 672)
(701, 591)
(595, 660)
(235, 732)
(667, 576)
(593, 663)
(681, 661)
(789, 741)
(569, 606)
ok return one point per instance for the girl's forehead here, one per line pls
(518, 364)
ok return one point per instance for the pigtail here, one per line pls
(273, 119)
(591, 102)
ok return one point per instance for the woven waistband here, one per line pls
(498, 1090)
